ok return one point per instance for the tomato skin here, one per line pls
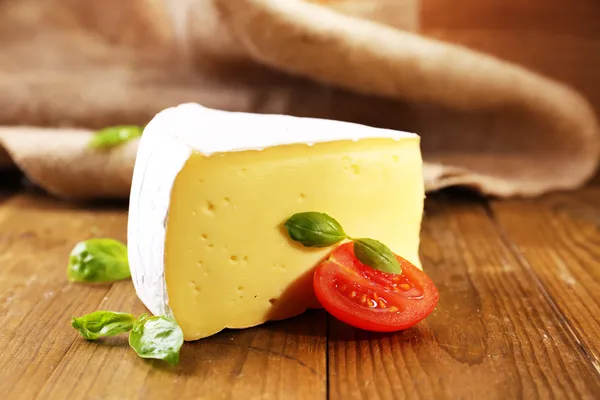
(373, 300)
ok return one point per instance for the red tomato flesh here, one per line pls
(370, 299)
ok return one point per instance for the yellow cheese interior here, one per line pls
(228, 260)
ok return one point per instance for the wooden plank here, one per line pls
(283, 360)
(44, 356)
(554, 37)
(36, 301)
(493, 335)
(553, 16)
(558, 239)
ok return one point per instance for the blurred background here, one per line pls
(554, 37)
(500, 128)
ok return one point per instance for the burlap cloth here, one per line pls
(70, 66)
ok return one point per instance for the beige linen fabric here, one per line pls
(68, 67)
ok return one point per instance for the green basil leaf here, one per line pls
(157, 337)
(314, 229)
(376, 255)
(98, 260)
(115, 135)
(103, 323)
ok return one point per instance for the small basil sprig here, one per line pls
(98, 260)
(103, 323)
(377, 255)
(156, 337)
(113, 136)
(315, 229)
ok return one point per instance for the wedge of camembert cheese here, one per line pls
(212, 189)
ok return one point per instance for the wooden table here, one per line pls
(518, 317)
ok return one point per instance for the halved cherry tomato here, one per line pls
(370, 299)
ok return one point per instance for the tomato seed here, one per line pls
(382, 303)
(405, 286)
(353, 294)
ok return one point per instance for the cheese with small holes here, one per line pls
(212, 189)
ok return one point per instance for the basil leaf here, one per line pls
(103, 323)
(157, 337)
(376, 255)
(314, 229)
(98, 260)
(115, 135)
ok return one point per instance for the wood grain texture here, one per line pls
(557, 237)
(36, 301)
(557, 38)
(505, 326)
(494, 335)
(43, 357)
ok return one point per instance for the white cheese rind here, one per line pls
(215, 131)
(159, 159)
(169, 140)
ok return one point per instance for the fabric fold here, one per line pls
(485, 123)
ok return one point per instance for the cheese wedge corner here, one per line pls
(211, 190)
